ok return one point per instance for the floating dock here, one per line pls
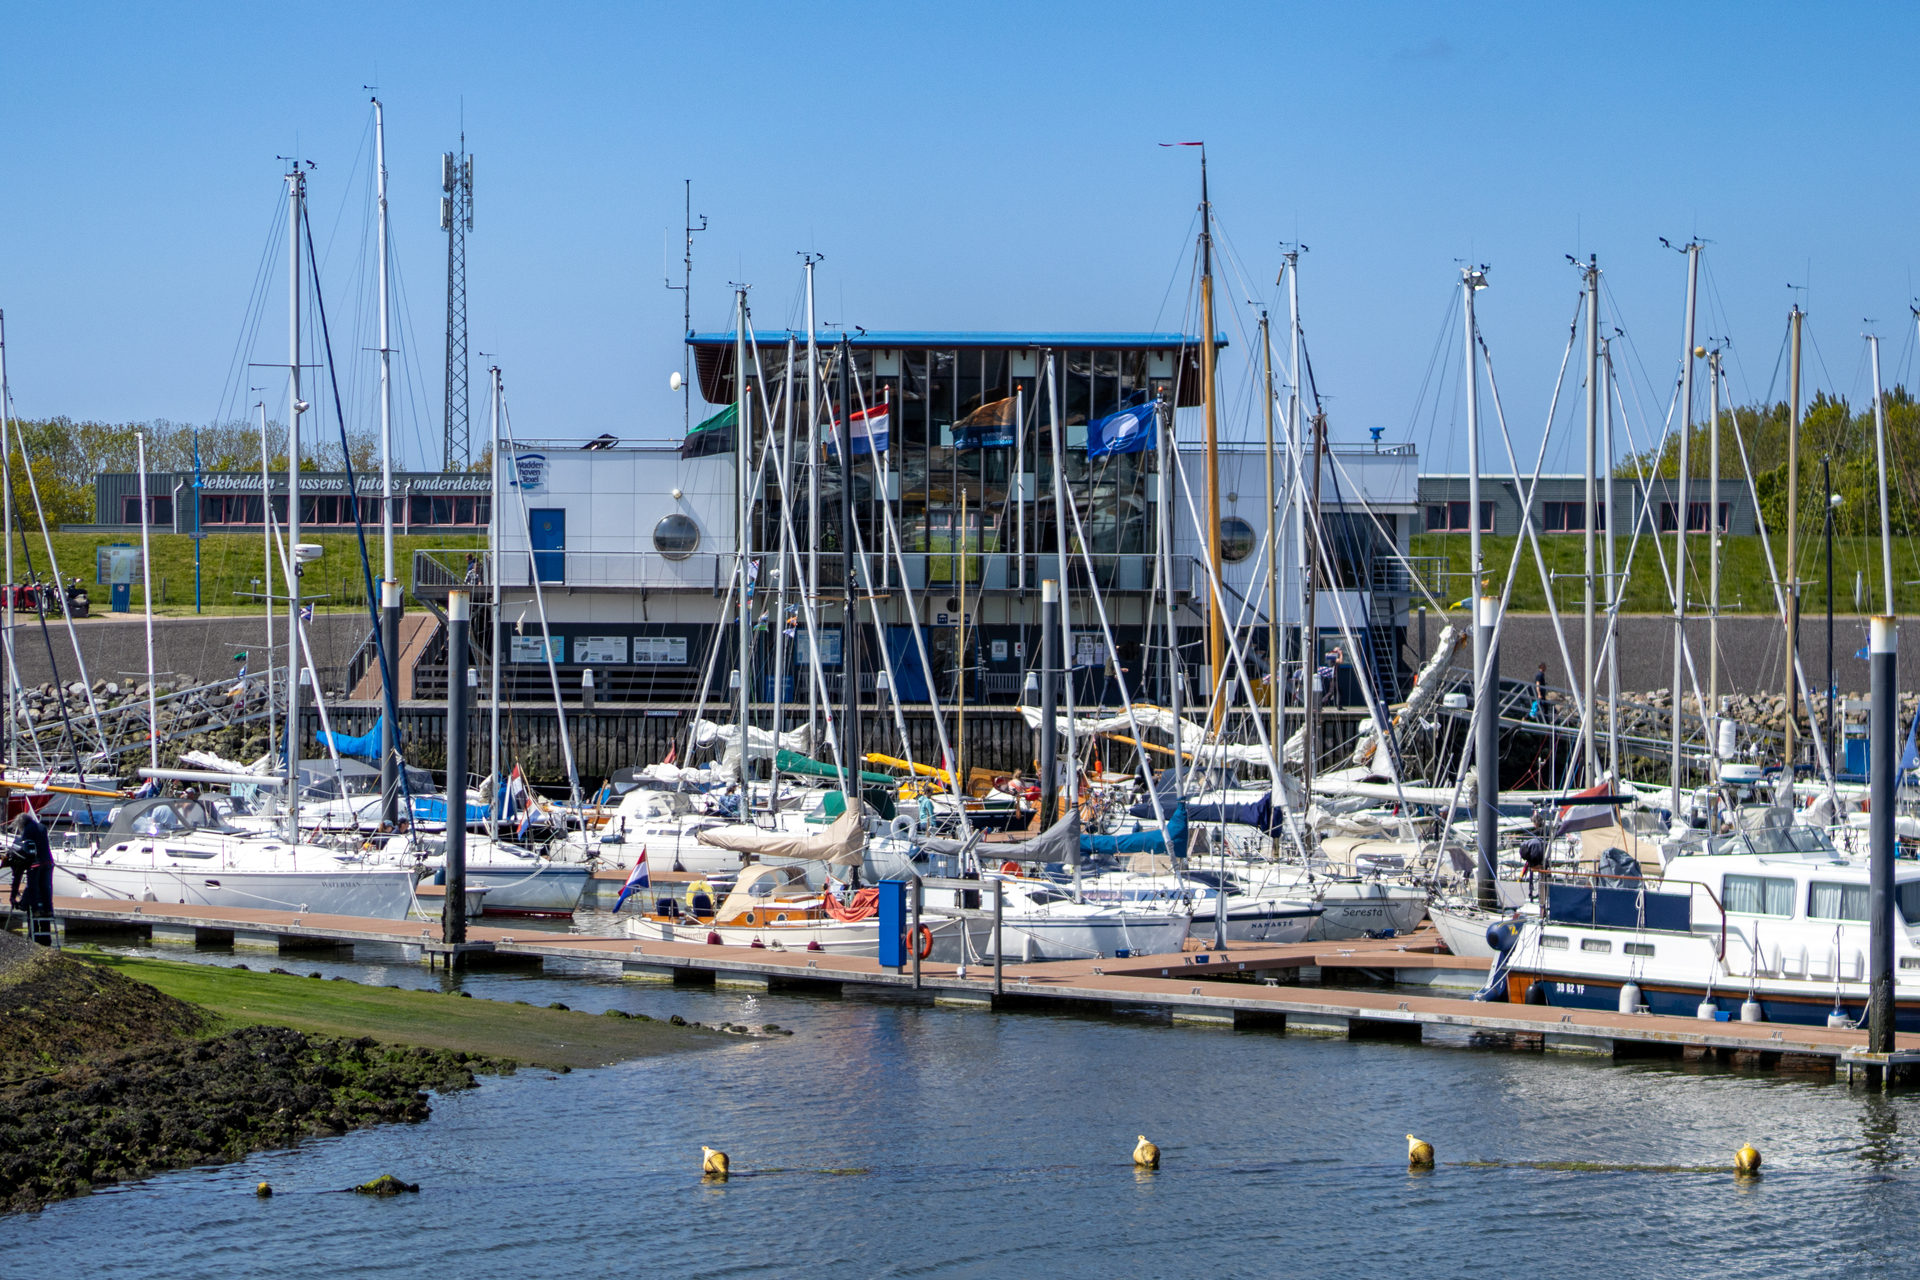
(1247, 985)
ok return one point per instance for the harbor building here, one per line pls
(633, 543)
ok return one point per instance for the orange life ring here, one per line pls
(926, 942)
(1009, 868)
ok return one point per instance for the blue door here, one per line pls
(547, 530)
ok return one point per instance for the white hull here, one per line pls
(550, 890)
(382, 893)
(1357, 910)
(1463, 929)
(1283, 923)
(1037, 937)
(859, 938)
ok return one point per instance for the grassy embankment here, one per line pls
(536, 1036)
(231, 562)
(1745, 586)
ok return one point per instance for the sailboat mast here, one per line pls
(742, 450)
(1216, 625)
(1164, 533)
(296, 194)
(495, 811)
(1297, 453)
(146, 591)
(389, 582)
(778, 611)
(849, 577)
(1273, 555)
(1793, 545)
(6, 535)
(1680, 524)
(1880, 454)
(1711, 714)
(812, 584)
(1613, 580)
(1472, 280)
(266, 563)
(1587, 671)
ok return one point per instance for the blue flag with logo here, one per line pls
(1128, 431)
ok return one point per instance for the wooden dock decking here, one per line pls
(1241, 986)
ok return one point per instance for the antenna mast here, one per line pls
(685, 288)
(456, 219)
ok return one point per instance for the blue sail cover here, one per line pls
(434, 809)
(1170, 839)
(366, 746)
(1259, 813)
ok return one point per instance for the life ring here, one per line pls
(926, 942)
(904, 827)
(1009, 868)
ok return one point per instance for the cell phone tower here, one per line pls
(456, 219)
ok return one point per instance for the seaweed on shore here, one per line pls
(172, 1105)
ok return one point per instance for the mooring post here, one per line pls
(1487, 756)
(453, 912)
(913, 934)
(1883, 747)
(999, 896)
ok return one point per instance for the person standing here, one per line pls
(37, 900)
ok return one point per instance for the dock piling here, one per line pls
(1883, 763)
(453, 914)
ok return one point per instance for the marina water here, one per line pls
(912, 1140)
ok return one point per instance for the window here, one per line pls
(1451, 517)
(1696, 516)
(1236, 539)
(445, 511)
(1638, 948)
(1595, 944)
(1908, 896)
(1570, 517)
(1757, 895)
(1553, 941)
(159, 510)
(1826, 901)
(676, 536)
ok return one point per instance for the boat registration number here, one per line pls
(1572, 988)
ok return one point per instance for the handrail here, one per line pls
(1547, 874)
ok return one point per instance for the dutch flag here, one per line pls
(637, 879)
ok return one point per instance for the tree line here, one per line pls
(64, 456)
(1830, 429)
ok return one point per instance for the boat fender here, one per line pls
(1537, 993)
(1750, 1011)
(713, 939)
(1630, 997)
(1502, 934)
(1009, 868)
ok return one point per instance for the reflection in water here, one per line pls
(994, 1145)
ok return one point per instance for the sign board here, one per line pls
(1089, 649)
(600, 650)
(530, 649)
(952, 619)
(999, 650)
(660, 651)
(529, 473)
(117, 566)
(829, 647)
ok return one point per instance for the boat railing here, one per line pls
(1634, 887)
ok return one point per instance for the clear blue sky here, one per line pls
(961, 167)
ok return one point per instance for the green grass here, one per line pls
(230, 563)
(1745, 586)
(542, 1037)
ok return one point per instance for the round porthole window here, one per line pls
(1236, 539)
(676, 536)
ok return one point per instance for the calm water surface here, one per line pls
(998, 1145)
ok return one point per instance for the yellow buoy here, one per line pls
(1746, 1159)
(714, 1165)
(1146, 1155)
(264, 1190)
(1419, 1154)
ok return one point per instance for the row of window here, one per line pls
(323, 509)
(1571, 517)
(1773, 896)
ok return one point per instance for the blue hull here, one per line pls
(1679, 1002)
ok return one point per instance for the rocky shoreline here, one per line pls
(103, 1078)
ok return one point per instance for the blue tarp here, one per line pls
(434, 809)
(1619, 908)
(1259, 814)
(366, 746)
(1171, 839)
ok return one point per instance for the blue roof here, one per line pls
(929, 338)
